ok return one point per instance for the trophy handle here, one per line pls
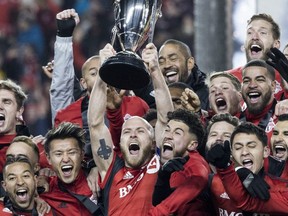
(156, 13)
(116, 16)
(114, 34)
(153, 22)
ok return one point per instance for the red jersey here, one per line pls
(63, 203)
(4, 211)
(188, 184)
(131, 190)
(131, 105)
(5, 141)
(71, 113)
(279, 91)
(265, 120)
(276, 205)
(221, 201)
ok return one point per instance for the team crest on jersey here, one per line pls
(243, 107)
(126, 117)
(154, 165)
(270, 125)
(278, 87)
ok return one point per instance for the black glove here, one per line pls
(279, 62)
(254, 184)
(162, 187)
(219, 155)
(175, 164)
(65, 27)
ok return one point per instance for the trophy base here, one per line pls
(125, 71)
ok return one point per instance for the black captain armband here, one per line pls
(65, 27)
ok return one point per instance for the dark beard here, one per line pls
(147, 153)
(255, 110)
(180, 154)
(183, 77)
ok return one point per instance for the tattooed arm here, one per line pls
(101, 140)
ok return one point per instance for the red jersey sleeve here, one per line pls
(277, 204)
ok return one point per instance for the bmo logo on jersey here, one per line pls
(125, 190)
(224, 212)
(150, 170)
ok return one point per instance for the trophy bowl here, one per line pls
(134, 24)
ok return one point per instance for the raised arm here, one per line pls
(101, 140)
(162, 96)
(62, 85)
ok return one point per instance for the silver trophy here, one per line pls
(134, 25)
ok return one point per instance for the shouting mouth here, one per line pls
(134, 149)
(171, 76)
(221, 104)
(247, 163)
(67, 169)
(254, 97)
(280, 151)
(22, 195)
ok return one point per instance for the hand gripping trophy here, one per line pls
(134, 25)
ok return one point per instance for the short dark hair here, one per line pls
(283, 117)
(63, 131)
(275, 27)
(192, 120)
(28, 141)
(184, 48)
(19, 159)
(150, 115)
(179, 85)
(250, 128)
(227, 117)
(261, 63)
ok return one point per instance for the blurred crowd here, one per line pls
(27, 36)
